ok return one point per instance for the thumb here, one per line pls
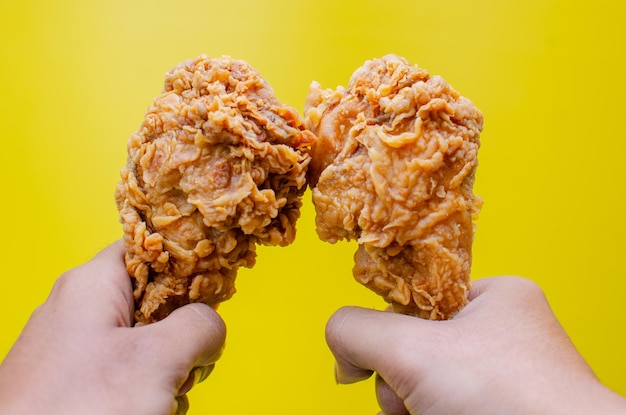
(192, 335)
(364, 341)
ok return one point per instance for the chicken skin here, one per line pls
(393, 168)
(217, 166)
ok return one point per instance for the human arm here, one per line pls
(79, 354)
(505, 352)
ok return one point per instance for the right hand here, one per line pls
(505, 352)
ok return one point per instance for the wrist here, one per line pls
(569, 397)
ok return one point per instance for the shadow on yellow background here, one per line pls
(548, 75)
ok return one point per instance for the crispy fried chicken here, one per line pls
(217, 166)
(393, 168)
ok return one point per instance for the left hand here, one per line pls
(79, 354)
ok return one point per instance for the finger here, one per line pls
(501, 293)
(182, 405)
(347, 369)
(388, 400)
(191, 336)
(484, 286)
(364, 340)
(346, 373)
(109, 264)
(99, 291)
(197, 375)
(111, 284)
(478, 286)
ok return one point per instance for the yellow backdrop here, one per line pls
(77, 76)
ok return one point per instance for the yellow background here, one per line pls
(549, 75)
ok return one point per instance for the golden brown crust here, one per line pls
(393, 168)
(217, 166)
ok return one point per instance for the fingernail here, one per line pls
(197, 375)
(201, 373)
(182, 405)
(188, 384)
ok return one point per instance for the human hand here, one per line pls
(504, 353)
(78, 353)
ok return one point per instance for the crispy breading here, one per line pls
(217, 166)
(393, 168)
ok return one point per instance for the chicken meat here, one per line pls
(217, 166)
(393, 168)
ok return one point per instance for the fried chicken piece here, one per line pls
(393, 168)
(217, 166)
